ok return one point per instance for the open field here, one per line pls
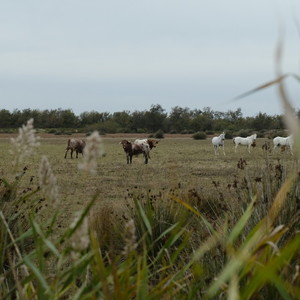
(188, 219)
(178, 162)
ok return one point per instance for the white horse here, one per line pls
(218, 141)
(284, 141)
(247, 141)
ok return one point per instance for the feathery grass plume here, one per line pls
(48, 181)
(130, 238)
(80, 240)
(24, 143)
(92, 150)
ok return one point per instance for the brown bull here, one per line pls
(134, 149)
(76, 145)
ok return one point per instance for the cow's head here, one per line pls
(126, 145)
(152, 143)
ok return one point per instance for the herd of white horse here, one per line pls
(249, 141)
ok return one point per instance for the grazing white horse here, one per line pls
(284, 141)
(218, 141)
(247, 141)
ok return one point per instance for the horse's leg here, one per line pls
(215, 150)
(223, 149)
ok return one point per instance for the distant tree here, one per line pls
(109, 126)
(5, 118)
(262, 121)
(124, 120)
(202, 122)
(208, 112)
(154, 118)
(93, 117)
(180, 119)
(234, 116)
(17, 118)
(234, 119)
(138, 123)
(68, 119)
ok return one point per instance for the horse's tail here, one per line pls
(233, 140)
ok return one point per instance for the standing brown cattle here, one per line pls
(75, 145)
(134, 149)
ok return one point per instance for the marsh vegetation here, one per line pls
(189, 225)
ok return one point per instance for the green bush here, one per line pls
(187, 131)
(275, 133)
(200, 135)
(209, 132)
(228, 135)
(159, 134)
(244, 132)
(141, 130)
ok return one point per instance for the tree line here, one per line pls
(179, 120)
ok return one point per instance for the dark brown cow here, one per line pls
(76, 145)
(134, 149)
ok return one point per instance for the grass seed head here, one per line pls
(80, 241)
(48, 181)
(25, 143)
(92, 150)
(130, 238)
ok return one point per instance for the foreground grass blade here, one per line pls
(44, 287)
(37, 229)
(70, 231)
(240, 225)
(144, 217)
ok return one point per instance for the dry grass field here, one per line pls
(178, 163)
(189, 218)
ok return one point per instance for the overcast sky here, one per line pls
(115, 55)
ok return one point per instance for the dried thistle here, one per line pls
(130, 238)
(48, 181)
(25, 143)
(92, 150)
